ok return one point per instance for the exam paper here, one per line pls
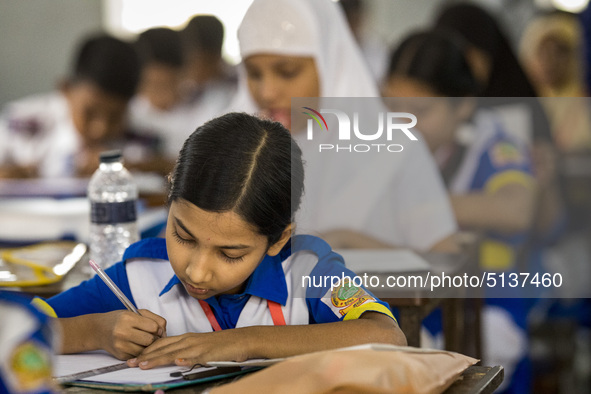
(74, 363)
(67, 364)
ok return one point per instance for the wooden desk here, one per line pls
(474, 380)
(478, 380)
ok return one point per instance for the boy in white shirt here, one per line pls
(60, 134)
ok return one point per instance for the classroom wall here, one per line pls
(36, 41)
(37, 37)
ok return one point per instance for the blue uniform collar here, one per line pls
(151, 248)
(267, 281)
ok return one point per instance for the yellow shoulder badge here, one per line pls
(504, 153)
(346, 297)
(31, 366)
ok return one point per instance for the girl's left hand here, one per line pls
(193, 348)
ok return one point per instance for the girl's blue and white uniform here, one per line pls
(147, 279)
(493, 159)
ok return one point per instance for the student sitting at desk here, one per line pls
(316, 57)
(210, 81)
(160, 108)
(489, 177)
(488, 172)
(228, 264)
(60, 134)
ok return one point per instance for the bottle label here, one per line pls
(113, 212)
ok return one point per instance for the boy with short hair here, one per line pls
(60, 134)
(161, 54)
(160, 108)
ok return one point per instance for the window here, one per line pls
(125, 18)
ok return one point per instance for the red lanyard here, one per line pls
(274, 308)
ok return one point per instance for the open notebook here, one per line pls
(134, 379)
(109, 373)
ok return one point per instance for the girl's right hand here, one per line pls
(125, 334)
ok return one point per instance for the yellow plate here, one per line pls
(39, 264)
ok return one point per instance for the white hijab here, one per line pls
(396, 198)
(315, 28)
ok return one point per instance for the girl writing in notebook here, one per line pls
(229, 272)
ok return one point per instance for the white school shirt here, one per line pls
(38, 131)
(174, 126)
(183, 312)
(171, 127)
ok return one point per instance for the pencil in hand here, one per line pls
(111, 285)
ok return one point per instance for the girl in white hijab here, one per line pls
(304, 48)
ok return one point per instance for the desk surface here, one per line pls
(478, 380)
(474, 380)
(147, 183)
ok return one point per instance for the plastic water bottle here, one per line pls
(113, 211)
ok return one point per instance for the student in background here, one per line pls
(489, 53)
(60, 134)
(161, 54)
(488, 173)
(210, 81)
(552, 54)
(160, 109)
(228, 264)
(552, 51)
(501, 209)
(494, 64)
(317, 57)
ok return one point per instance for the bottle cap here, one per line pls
(110, 156)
